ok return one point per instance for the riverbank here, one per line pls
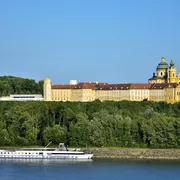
(134, 153)
(121, 153)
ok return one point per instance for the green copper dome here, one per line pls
(172, 63)
(162, 64)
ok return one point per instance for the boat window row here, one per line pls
(25, 153)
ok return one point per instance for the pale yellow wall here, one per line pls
(124, 95)
(114, 95)
(61, 94)
(119, 95)
(167, 95)
(139, 94)
(174, 80)
(83, 95)
(88, 95)
(172, 77)
(76, 95)
(161, 72)
(102, 95)
(170, 95)
(161, 81)
(177, 94)
(156, 95)
(151, 81)
(157, 81)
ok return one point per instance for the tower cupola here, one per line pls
(172, 73)
(172, 63)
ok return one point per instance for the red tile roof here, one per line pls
(140, 86)
(123, 86)
(106, 86)
(163, 85)
(62, 86)
(114, 86)
(87, 85)
(81, 85)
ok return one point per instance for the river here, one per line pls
(98, 169)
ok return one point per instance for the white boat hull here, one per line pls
(44, 154)
(48, 157)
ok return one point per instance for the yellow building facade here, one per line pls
(163, 86)
(165, 73)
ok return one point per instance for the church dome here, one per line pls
(162, 64)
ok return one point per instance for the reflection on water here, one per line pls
(100, 169)
(44, 161)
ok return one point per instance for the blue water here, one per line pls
(89, 170)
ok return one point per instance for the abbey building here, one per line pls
(163, 86)
(165, 73)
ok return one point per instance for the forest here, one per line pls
(93, 124)
(16, 85)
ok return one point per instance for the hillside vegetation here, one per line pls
(118, 124)
(16, 85)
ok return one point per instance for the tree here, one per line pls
(56, 134)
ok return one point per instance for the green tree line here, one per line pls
(119, 124)
(16, 85)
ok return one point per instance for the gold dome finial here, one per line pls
(163, 59)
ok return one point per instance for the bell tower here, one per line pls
(172, 73)
(47, 89)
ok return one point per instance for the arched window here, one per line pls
(161, 73)
(173, 74)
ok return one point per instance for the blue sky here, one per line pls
(113, 41)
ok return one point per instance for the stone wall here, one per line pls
(135, 153)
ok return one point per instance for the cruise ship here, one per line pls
(44, 153)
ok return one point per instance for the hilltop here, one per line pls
(17, 85)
